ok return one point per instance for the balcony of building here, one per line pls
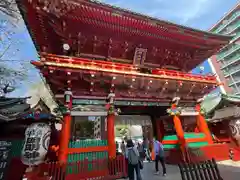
(231, 29)
(228, 51)
(236, 90)
(234, 79)
(232, 83)
(228, 22)
(228, 62)
(236, 36)
(231, 71)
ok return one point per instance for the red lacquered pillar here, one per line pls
(111, 136)
(202, 125)
(180, 135)
(66, 128)
(179, 129)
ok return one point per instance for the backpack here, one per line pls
(132, 157)
(161, 150)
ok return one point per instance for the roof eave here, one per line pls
(161, 21)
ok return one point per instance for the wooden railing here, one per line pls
(207, 170)
(121, 68)
(99, 169)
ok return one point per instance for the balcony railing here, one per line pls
(234, 39)
(236, 36)
(232, 18)
(229, 30)
(231, 61)
(231, 83)
(228, 52)
(232, 28)
(232, 70)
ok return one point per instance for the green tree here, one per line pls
(122, 130)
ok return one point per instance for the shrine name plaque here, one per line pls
(5, 157)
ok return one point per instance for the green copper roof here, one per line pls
(12, 108)
(216, 101)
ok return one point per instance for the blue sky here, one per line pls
(201, 14)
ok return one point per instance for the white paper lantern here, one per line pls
(37, 138)
(58, 126)
(66, 47)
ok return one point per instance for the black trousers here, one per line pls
(131, 169)
(162, 161)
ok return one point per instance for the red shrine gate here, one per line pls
(89, 50)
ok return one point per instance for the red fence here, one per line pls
(82, 170)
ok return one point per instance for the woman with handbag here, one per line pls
(134, 161)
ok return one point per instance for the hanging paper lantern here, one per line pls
(37, 138)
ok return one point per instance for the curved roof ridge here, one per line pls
(156, 19)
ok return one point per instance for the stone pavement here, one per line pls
(228, 172)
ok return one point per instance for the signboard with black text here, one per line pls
(5, 158)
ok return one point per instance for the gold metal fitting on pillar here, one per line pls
(68, 95)
(68, 100)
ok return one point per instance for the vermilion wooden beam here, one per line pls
(88, 149)
(118, 67)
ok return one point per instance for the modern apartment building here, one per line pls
(226, 64)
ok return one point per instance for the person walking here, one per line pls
(124, 153)
(159, 156)
(141, 151)
(133, 161)
(146, 149)
(123, 147)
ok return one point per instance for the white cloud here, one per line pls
(184, 10)
(195, 9)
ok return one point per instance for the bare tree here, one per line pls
(13, 72)
(10, 79)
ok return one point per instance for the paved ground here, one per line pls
(228, 170)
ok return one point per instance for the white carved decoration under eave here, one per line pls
(234, 126)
